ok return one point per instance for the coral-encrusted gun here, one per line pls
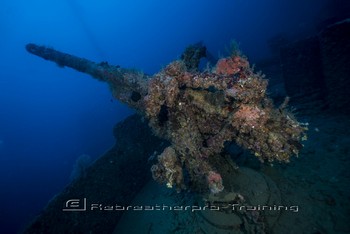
(198, 112)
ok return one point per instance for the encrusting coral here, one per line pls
(197, 113)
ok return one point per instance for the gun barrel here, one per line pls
(128, 86)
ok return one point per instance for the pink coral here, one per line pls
(249, 115)
(215, 182)
(231, 65)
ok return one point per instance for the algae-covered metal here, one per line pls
(197, 112)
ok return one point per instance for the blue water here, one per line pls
(50, 116)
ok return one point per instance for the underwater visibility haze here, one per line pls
(178, 116)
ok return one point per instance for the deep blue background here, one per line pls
(50, 116)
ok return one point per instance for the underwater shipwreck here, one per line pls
(185, 120)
